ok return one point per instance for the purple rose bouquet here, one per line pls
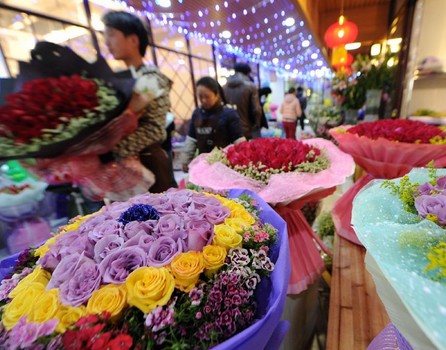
(181, 269)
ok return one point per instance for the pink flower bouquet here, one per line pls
(287, 174)
(385, 149)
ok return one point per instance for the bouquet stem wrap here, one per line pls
(306, 261)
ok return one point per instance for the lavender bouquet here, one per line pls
(179, 270)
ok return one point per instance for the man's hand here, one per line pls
(138, 102)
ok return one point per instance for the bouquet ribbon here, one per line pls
(306, 261)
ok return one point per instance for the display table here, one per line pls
(356, 313)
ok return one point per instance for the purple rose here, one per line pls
(441, 184)
(216, 214)
(201, 201)
(119, 264)
(200, 234)
(163, 250)
(135, 227)
(66, 268)
(433, 205)
(425, 189)
(181, 203)
(85, 279)
(106, 245)
(194, 214)
(115, 209)
(150, 198)
(171, 225)
(93, 221)
(108, 227)
(59, 250)
(142, 240)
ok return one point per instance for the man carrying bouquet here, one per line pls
(127, 40)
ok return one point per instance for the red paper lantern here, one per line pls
(339, 56)
(341, 33)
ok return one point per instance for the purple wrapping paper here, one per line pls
(389, 339)
(268, 331)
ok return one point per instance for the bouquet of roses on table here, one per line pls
(182, 270)
(402, 223)
(385, 149)
(287, 174)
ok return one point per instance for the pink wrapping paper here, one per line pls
(306, 262)
(381, 159)
(288, 193)
(282, 188)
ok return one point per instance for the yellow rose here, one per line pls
(242, 214)
(112, 298)
(237, 224)
(46, 306)
(186, 268)
(39, 275)
(21, 305)
(44, 248)
(226, 237)
(149, 287)
(69, 315)
(214, 257)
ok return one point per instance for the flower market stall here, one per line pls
(176, 269)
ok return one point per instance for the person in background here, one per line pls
(291, 111)
(303, 105)
(167, 146)
(127, 40)
(213, 124)
(263, 95)
(242, 92)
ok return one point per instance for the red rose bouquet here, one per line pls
(61, 101)
(66, 113)
(385, 149)
(287, 174)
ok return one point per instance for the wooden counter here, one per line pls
(356, 313)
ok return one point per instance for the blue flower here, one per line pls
(139, 212)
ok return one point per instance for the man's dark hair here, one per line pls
(243, 68)
(128, 24)
(300, 89)
(291, 90)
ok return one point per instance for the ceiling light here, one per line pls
(314, 55)
(275, 60)
(181, 61)
(257, 51)
(163, 3)
(287, 66)
(394, 41)
(289, 22)
(375, 50)
(305, 43)
(226, 34)
(179, 43)
(353, 46)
